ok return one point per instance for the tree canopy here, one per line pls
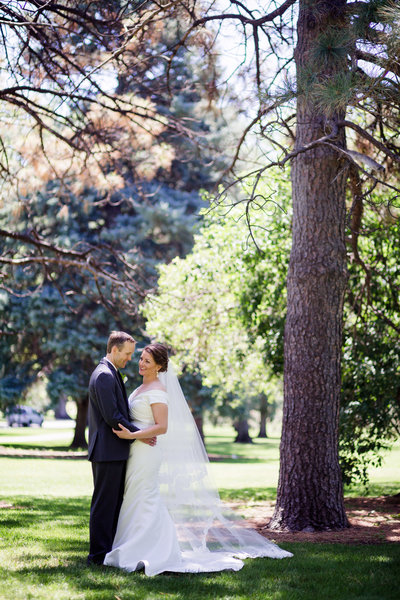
(86, 103)
(222, 291)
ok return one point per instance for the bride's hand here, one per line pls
(150, 441)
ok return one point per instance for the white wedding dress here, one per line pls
(148, 537)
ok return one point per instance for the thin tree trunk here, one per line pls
(310, 493)
(263, 416)
(243, 436)
(79, 440)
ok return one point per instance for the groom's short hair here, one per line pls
(118, 338)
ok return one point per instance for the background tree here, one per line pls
(98, 227)
(214, 294)
(84, 87)
(370, 411)
(249, 286)
(14, 376)
(63, 332)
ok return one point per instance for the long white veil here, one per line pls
(202, 521)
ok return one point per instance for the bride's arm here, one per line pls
(160, 415)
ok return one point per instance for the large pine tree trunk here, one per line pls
(310, 494)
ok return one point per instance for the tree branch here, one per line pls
(382, 147)
(34, 240)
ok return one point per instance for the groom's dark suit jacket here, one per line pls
(108, 406)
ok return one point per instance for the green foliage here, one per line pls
(330, 93)
(353, 62)
(61, 326)
(370, 414)
(370, 13)
(229, 300)
(17, 369)
(390, 15)
(333, 45)
(336, 92)
(197, 394)
(11, 387)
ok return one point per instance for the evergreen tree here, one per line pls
(77, 243)
(63, 324)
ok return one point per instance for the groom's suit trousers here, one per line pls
(109, 481)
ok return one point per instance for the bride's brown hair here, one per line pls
(160, 354)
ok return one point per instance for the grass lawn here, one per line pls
(255, 468)
(44, 534)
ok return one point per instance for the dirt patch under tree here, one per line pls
(372, 520)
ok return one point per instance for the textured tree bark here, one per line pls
(310, 494)
(79, 440)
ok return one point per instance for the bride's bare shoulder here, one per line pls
(159, 386)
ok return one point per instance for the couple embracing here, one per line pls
(154, 505)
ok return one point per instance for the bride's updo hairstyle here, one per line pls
(160, 354)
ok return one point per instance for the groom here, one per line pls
(108, 406)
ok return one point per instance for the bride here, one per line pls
(172, 518)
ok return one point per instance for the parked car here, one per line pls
(24, 415)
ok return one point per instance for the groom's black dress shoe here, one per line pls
(90, 563)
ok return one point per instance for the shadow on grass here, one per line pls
(230, 452)
(265, 443)
(237, 460)
(28, 512)
(315, 571)
(35, 446)
(65, 452)
(44, 542)
(40, 451)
